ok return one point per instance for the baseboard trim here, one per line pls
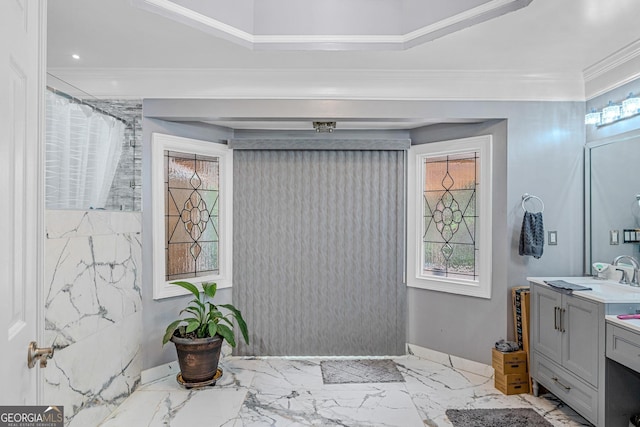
(451, 360)
(172, 368)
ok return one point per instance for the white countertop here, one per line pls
(604, 291)
(633, 324)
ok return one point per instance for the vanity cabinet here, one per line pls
(565, 332)
(565, 347)
(582, 353)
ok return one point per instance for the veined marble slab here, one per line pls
(290, 392)
(95, 375)
(93, 264)
(93, 282)
(72, 223)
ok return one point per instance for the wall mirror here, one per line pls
(612, 192)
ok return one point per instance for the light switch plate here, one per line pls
(553, 238)
(614, 237)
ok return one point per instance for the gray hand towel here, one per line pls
(532, 235)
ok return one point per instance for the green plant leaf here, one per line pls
(215, 314)
(193, 310)
(227, 334)
(213, 309)
(210, 289)
(188, 286)
(241, 323)
(206, 316)
(192, 326)
(203, 307)
(170, 330)
(191, 319)
(201, 332)
(213, 329)
(233, 309)
(226, 319)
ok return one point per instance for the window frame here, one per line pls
(481, 287)
(159, 144)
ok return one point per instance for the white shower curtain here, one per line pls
(83, 149)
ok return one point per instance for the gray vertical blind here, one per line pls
(318, 251)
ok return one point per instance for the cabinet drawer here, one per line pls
(623, 346)
(567, 387)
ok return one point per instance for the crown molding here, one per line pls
(473, 16)
(485, 85)
(617, 69)
(476, 15)
(173, 10)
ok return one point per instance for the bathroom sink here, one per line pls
(607, 290)
(612, 288)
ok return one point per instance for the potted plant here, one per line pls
(198, 337)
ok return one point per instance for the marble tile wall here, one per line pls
(92, 311)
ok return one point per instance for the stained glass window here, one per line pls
(191, 215)
(450, 216)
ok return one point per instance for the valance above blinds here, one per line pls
(320, 144)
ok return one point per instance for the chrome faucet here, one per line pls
(636, 267)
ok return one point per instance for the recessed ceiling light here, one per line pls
(75, 56)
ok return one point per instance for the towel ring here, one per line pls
(527, 196)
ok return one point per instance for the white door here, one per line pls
(22, 49)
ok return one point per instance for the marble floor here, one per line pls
(290, 392)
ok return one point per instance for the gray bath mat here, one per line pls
(517, 417)
(360, 371)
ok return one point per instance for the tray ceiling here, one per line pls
(331, 24)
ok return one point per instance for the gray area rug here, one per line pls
(360, 371)
(516, 417)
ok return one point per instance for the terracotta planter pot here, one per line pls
(198, 358)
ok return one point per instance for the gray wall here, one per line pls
(544, 157)
(433, 322)
(156, 315)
